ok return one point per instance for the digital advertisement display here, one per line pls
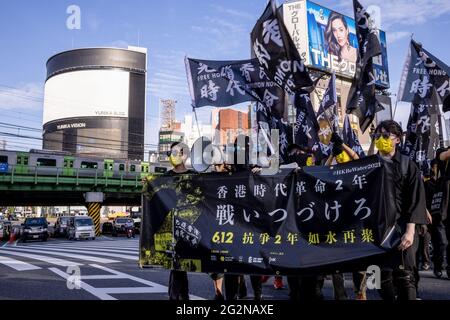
(90, 93)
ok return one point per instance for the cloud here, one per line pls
(403, 12)
(396, 36)
(29, 96)
(119, 44)
(231, 12)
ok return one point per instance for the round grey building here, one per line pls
(94, 102)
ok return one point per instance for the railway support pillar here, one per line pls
(94, 202)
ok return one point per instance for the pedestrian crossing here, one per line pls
(98, 260)
(31, 256)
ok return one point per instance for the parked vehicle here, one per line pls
(61, 224)
(34, 229)
(81, 227)
(107, 228)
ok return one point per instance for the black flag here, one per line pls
(351, 139)
(225, 83)
(306, 126)
(422, 73)
(422, 137)
(276, 52)
(425, 83)
(362, 101)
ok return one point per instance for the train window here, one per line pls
(132, 168)
(3, 159)
(89, 165)
(121, 167)
(19, 160)
(25, 161)
(144, 169)
(42, 162)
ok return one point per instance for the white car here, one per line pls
(81, 227)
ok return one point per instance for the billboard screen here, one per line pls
(327, 40)
(89, 93)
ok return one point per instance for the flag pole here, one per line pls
(196, 121)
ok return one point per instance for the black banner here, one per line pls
(276, 52)
(320, 218)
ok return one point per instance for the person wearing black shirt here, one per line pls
(443, 163)
(437, 203)
(408, 202)
(178, 282)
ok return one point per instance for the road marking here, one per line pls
(107, 254)
(105, 293)
(131, 251)
(67, 255)
(17, 265)
(55, 261)
(83, 285)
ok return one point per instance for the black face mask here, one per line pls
(300, 159)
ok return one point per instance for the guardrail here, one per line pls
(58, 176)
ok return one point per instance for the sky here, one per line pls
(31, 31)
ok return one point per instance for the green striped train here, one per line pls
(52, 163)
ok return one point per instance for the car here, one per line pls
(121, 225)
(81, 227)
(137, 227)
(60, 229)
(107, 228)
(34, 229)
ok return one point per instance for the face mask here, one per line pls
(310, 162)
(175, 161)
(343, 157)
(384, 145)
(300, 159)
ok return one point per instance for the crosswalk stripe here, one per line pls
(136, 248)
(86, 247)
(17, 264)
(67, 255)
(51, 260)
(106, 254)
(128, 251)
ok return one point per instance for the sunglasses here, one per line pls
(384, 135)
(175, 153)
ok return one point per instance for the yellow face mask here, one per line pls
(343, 157)
(384, 145)
(310, 162)
(175, 160)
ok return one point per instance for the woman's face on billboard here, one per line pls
(340, 32)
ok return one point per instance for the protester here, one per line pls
(437, 203)
(178, 282)
(235, 284)
(408, 201)
(443, 163)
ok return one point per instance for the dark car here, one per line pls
(121, 226)
(35, 229)
(107, 228)
(61, 226)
